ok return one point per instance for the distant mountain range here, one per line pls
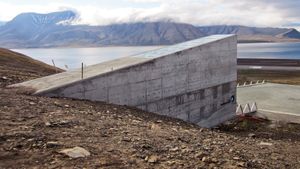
(254, 34)
(30, 30)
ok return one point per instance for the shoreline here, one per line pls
(268, 62)
(159, 45)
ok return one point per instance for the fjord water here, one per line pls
(73, 57)
(269, 50)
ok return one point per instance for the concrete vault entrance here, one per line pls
(194, 81)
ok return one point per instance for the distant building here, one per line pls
(194, 81)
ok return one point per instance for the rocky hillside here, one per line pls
(16, 67)
(254, 34)
(27, 29)
(153, 33)
(291, 33)
(240, 30)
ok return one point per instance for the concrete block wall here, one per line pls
(196, 85)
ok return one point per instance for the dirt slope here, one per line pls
(16, 67)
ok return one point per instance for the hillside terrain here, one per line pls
(254, 34)
(34, 131)
(57, 30)
(292, 33)
(16, 67)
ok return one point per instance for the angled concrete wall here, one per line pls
(196, 84)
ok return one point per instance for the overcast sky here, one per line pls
(272, 13)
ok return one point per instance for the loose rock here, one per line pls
(241, 164)
(51, 144)
(4, 78)
(32, 103)
(265, 144)
(174, 149)
(47, 124)
(76, 152)
(152, 159)
(251, 135)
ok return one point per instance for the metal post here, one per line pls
(82, 70)
(54, 66)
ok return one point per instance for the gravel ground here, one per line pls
(35, 129)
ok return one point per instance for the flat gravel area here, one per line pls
(273, 97)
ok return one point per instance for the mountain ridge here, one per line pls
(57, 30)
(291, 33)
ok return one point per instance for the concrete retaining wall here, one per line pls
(196, 85)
